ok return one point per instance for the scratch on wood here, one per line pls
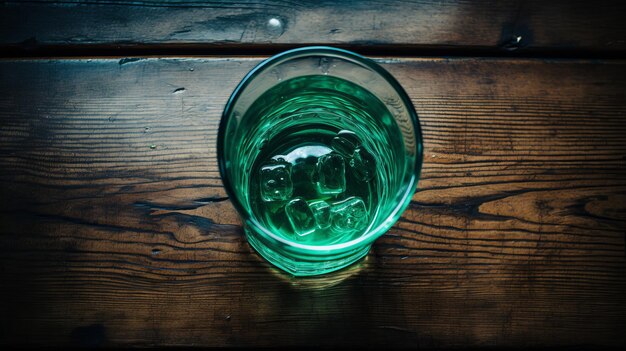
(129, 60)
(393, 327)
(196, 203)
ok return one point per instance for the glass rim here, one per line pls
(328, 51)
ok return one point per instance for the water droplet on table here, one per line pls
(324, 65)
(275, 26)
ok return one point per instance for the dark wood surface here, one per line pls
(563, 26)
(115, 228)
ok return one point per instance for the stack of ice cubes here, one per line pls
(306, 216)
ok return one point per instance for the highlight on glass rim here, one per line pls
(320, 150)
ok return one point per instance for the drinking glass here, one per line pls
(320, 151)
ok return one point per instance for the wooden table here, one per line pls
(115, 229)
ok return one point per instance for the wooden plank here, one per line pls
(562, 26)
(115, 229)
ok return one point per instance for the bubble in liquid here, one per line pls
(301, 217)
(276, 184)
(331, 174)
(345, 143)
(349, 215)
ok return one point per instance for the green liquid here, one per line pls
(319, 155)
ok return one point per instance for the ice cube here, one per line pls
(349, 215)
(345, 143)
(276, 184)
(321, 212)
(302, 175)
(363, 164)
(301, 217)
(331, 174)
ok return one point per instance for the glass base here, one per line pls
(302, 265)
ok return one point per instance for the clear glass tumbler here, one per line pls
(320, 151)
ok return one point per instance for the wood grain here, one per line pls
(493, 26)
(115, 229)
